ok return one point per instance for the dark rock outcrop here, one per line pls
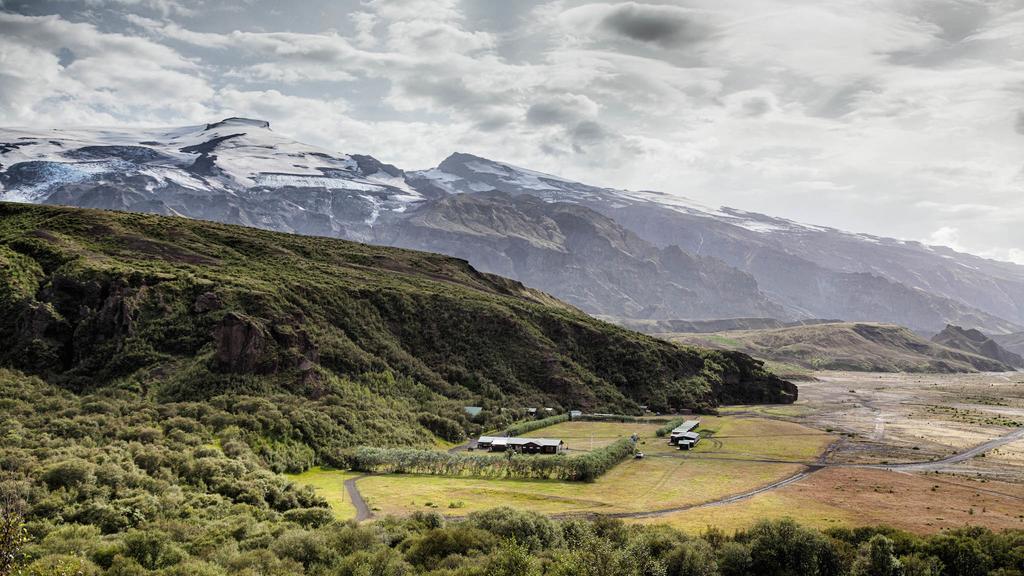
(241, 344)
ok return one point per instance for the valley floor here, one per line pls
(920, 452)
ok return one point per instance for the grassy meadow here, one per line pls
(666, 478)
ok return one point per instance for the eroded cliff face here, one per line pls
(87, 331)
(585, 258)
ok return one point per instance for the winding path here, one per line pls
(363, 511)
(936, 465)
(721, 501)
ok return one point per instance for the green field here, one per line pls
(666, 478)
(329, 484)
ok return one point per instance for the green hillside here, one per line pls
(352, 343)
(846, 346)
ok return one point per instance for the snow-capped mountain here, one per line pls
(235, 170)
(633, 254)
(813, 271)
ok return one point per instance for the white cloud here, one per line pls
(946, 236)
(108, 77)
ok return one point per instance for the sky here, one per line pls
(900, 118)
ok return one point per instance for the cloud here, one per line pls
(162, 7)
(561, 109)
(1019, 124)
(662, 25)
(751, 103)
(110, 75)
(665, 25)
(946, 236)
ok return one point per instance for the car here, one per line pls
(638, 455)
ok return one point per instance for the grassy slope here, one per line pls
(380, 337)
(846, 346)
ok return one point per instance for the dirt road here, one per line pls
(363, 511)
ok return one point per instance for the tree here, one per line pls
(877, 557)
(511, 559)
(961, 555)
(12, 533)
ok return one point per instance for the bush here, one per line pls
(444, 428)
(303, 546)
(151, 549)
(61, 565)
(529, 529)
(310, 517)
(69, 474)
(782, 548)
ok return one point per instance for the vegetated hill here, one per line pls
(381, 344)
(975, 342)
(684, 260)
(1012, 342)
(847, 346)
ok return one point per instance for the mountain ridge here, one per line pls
(713, 263)
(975, 342)
(847, 346)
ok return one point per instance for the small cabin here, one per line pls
(521, 445)
(485, 442)
(687, 440)
(538, 445)
(685, 427)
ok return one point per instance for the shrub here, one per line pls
(526, 528)
(444, 428)
(303, 546)
(69, 474)
(310, 517)
(61, 565)
(151, 549)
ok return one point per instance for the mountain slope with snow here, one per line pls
(635, 254)
(237, 170)
(814, 271)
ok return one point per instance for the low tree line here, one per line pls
(520, 428)
(669, 426)
(586, 467)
